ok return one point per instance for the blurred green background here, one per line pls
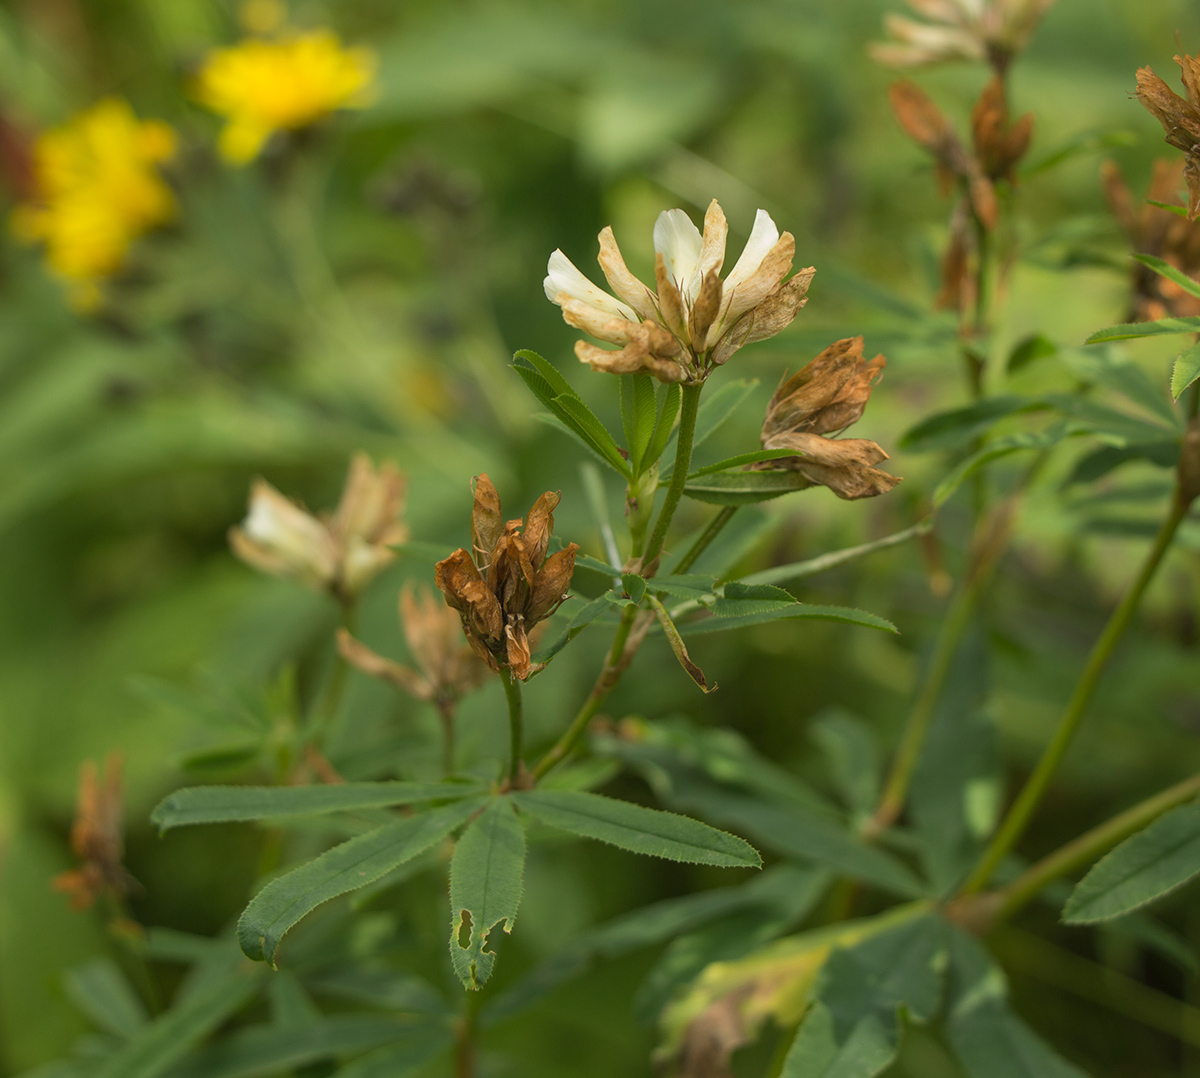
(499, 132)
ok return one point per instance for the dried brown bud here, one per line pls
(522, 586)
(999, 145)
(96, 838)
(1180, 119)
(823, 398)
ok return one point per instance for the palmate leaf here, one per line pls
(1143, 868)
(353, 864)
(224, 804)
(486, 882)
(637, 829)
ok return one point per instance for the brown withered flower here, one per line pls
(989, 31)
(823, 399)
(1180, 119)
(505, 585)
(1155, 231)
(691, 321)
(339, 553)
(447, 669)
(97, 838)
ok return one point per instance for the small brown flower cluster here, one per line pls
(823, 399)
(692, 321)
(1155, 231)
(96, 838)
(506, 584)
(339, 554)
(991, 31)
(1180, 119)
(997, 145)
(446, 668)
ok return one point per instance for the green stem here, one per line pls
(464, 1046)
(1090, 846)
(683, 461)
(516, 722)
(1022, 810)
(128, 933)
(327, 712)
(445, 709)
(706, 537)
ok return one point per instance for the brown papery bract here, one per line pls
(1179, 117)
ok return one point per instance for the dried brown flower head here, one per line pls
(506, 584)
(1180, 119)
(998, 141)
(991, 31)
(447, 669)
(692, 321)
(822, 399)
(96, 838)
(340, 554)
(1155, 231)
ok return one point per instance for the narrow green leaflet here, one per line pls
(1165, 269)
(678, 646)
(1032, 348)
(740, 459)
(223, 804)
(584, 422)
(541, 376)
(744, 488)
(1129, 330)
(103, 993)
(638, 415)
(353, 864)
(989, 1040)
(1179, 211)
(582, 619)
(486, 881)
(1107, 458)
(866, 1050)
(1186, 370)
(668, 412)
(959, 426)
(637, 829)
(1001, 447)
(752, 604)
(1143, 868)
(260, 1050)
(173, 1034)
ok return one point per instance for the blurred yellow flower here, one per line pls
(96, 189)
(263, 86)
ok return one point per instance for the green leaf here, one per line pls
(173, 1034)
(486, 877)
(1095, 465)
(1179, 211)
(678, 646)
(634, 585)
(381, 986)
(637, 829)
(103, 993)
(995, 450)
(1140, 870)
(260, 1050)
(548, 383)
(582, 619)
(989, 1040)
(581, 419)
(1186, 370)
(353, 864)
(664, 426)
(1101, 366)
(638, 415)
(745, 604)
(817, 1052)
(852, 749)
(740, 459)
(694, 586)
(744, 488)
(404, 1056)
(1029, 350)
(1165, 269)
(224, 804)
(1130, 330)
(960, 426)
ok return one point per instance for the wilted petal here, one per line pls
(844, 465)
(763, 237)
(1179, 118)
(634, 358)
(371, 502)
(539, 526)
(487, 524)
(280, 538)
(551, 585)
(704, 311)
(562, 276)
(670, 300)
(678, 241)
(746, 292)
(770, 317)
(361, 563)
(598, 323)
(361, 657)
(626, 286)
(517, 650)
(712, 249)
(459, 581)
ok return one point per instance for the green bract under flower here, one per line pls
(692, 321)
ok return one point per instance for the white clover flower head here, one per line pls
(692, 321)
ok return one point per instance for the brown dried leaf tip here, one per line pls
(506, 585)
(991, 31)
(97, 838)
(691, 321)
(825, 398)
(340, 553)
(1155, 231)
(447, 669)
(1180, 119)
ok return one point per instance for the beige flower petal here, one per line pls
(623, 283)
(562, 276)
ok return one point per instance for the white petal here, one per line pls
(562, 276)
(763, 237)
(678, 240)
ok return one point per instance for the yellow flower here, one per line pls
(264, 86)
(96, 189)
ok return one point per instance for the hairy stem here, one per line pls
(705, 538)
(1022, 810)
(516, 722)
(683, 461)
